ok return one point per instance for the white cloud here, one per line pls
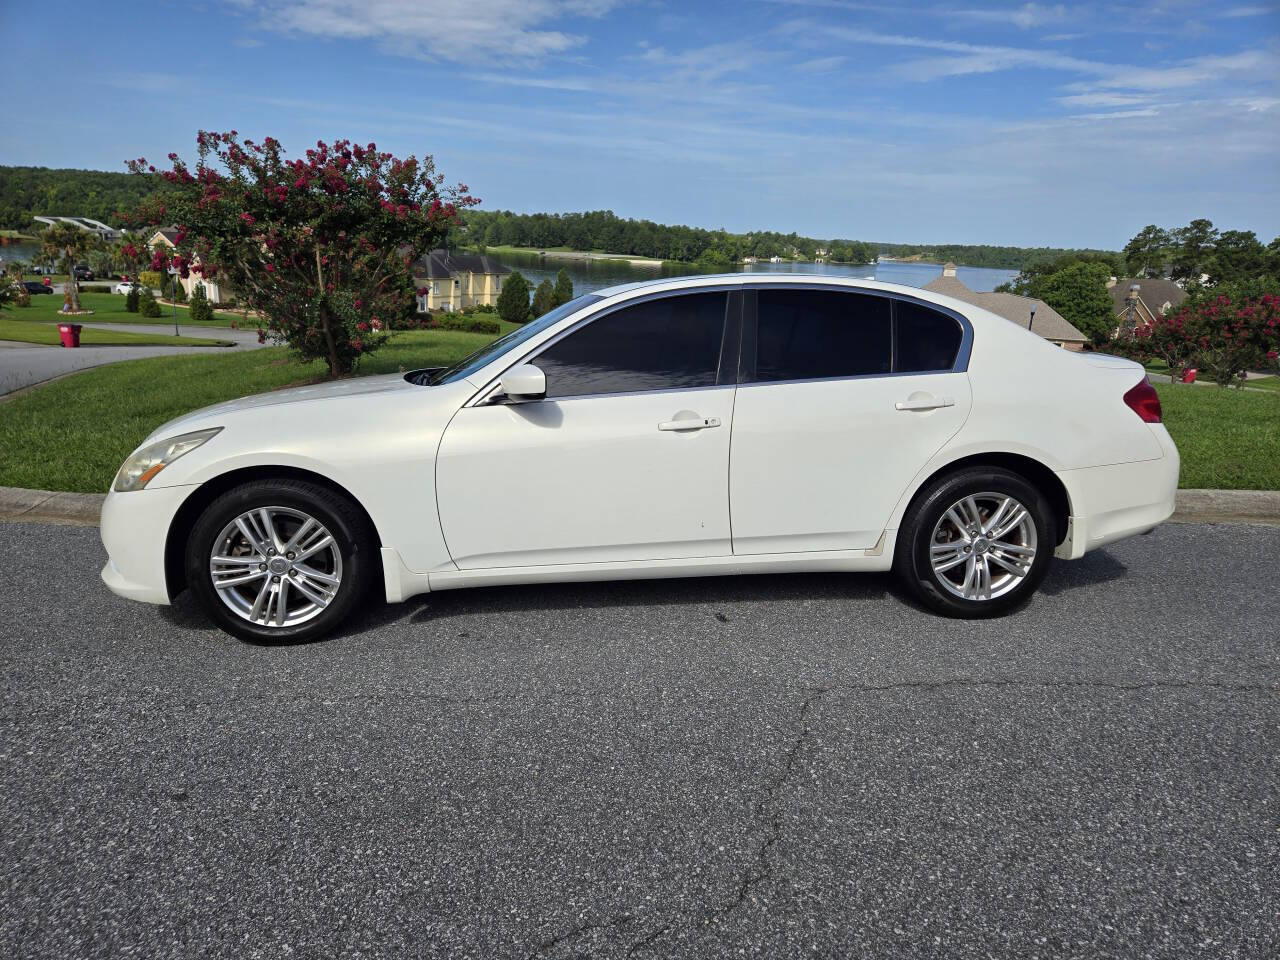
(1026, 16)
(443, 29)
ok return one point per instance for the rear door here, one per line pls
(844, 397)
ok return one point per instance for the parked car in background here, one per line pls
(35, 286)
(124, 286)
(873, 427)
(82, 272)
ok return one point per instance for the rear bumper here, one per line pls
(134, 529)
(1120, 500)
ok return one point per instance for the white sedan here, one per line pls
(687, 427)
(126, 286)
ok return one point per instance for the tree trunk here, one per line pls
(334, 369)
(72, 287)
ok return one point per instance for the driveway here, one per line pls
(760, 767)
(23, 365)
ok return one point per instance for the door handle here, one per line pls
(691, 424)
(925, 403)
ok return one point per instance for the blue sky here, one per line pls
(1020, 123)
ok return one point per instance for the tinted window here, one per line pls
(663, 344)
(807, 334)
(927, 340)
(469, 365)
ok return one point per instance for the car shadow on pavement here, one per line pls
(1095, 568)
(1091, 569)
(662, 592)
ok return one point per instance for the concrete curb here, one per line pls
(1259, 507)
(48, 506)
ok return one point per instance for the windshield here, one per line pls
(464, 368)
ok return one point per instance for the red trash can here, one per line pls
(1189, 375)
(70, 334)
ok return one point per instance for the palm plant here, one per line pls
(69, 242)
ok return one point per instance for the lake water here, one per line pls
(589, 275)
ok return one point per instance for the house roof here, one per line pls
(1049, 323)
(1155, 293)
(443, 264)
(169, 233)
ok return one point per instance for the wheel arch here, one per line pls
(1043, 477)
(184, 520)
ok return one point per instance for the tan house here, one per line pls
(455, 281)
(1036, 315)
(167, 237)
(1139, 301)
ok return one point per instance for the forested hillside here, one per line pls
(26, 191)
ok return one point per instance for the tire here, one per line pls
(943, 565)
(320, 584)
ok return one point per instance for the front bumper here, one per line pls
(134, 529)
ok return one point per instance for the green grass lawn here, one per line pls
(74, 433)
(110, 308)
(25, 331)
(1229, 439)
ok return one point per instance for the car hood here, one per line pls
(357, 386)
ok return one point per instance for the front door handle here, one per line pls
(925, 403)
(693, 423)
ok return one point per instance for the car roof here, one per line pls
(624, 291)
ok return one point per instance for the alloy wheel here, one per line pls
(276, 566)
(983, 546)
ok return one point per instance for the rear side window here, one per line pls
(813, 334)
(669, 343)
(927, 340)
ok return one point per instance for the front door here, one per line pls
(626, 459)
(845, 397)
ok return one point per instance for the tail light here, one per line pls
(1143, 400)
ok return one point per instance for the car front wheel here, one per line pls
(281, 561)
(976, 543)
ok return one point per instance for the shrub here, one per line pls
(1222, 338)
(131, 299)
(544, 298)
(147, 304)
(95, 288)
(564, 288)
(201, 310)
(480, 323)
(153, 279)
(513, 301)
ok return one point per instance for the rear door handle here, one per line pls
(925, 403)
(692, 423)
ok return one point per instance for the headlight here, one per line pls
(147, 461)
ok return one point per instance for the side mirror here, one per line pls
(523, 383)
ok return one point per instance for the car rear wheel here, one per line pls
(976, 543)
(281, 561)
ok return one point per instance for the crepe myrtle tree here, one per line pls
(319, 245)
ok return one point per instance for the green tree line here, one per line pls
(27, 191)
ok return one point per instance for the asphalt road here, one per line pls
(760, 766)
(24, 365)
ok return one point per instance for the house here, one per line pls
(168, 237)
(1028, 312)
(1139, 301)
(455, 281)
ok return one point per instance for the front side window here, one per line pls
(486, 354)
(926, 339)
(668, 343)
(821, 334)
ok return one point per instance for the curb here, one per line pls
(1257, 507)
